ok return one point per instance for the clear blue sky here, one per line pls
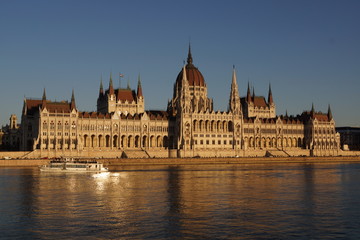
(308, 50)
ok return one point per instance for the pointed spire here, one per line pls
(139, 88)
(73, 104)
(101, 91)
(234, 101)
(43, 104)
(184, 77)
(312, 111)
(286, 113)
(128, 84)
(234, 82)
(329, 113)
(253, 94)
(270, 97)
(184, 93)
(44, 95)
(248, 95)
(111, 87)
(189, 58)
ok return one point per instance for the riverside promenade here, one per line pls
(190, 161)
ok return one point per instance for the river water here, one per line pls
(264, 201)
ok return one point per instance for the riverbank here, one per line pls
(190, 161)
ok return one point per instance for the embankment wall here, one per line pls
(190, 161)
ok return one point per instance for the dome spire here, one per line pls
(189, 58)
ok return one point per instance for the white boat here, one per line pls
(71, 165)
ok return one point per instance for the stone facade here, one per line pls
(188, 128)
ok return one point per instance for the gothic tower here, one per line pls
(234, 101)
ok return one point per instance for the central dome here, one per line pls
(193, 75)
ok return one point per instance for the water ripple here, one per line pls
(298, 201)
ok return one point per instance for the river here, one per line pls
(258, 201)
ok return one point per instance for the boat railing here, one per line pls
(62, 160)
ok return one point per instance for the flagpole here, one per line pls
(120, 76)
(119, 81)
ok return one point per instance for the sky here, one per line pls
(308, 50)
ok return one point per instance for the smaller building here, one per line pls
(349, 138)
(10, 135)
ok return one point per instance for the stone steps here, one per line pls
(277, 153)
(135, 154)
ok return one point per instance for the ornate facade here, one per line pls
(189, 127)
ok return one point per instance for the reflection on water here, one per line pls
(215, 201)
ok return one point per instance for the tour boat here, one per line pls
(71, 165)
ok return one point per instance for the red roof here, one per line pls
(94, 115)
(125, 95)
(33, 106)
(58, 107)
(158, 115)
(260, 102)
(322, 117)
(193, 75)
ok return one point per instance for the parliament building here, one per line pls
(190, 127)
